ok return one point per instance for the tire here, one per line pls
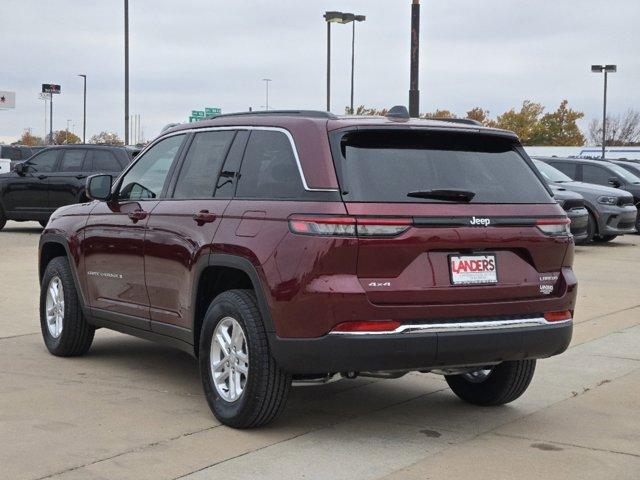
(604, 238)
(266, 386)
(3, 219)
(505, 382)
(74, 335)
(592, 229)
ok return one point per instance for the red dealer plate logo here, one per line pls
(473, 269)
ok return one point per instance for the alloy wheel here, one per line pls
(55, 307)
(229, 359)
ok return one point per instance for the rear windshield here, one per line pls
(385, 166)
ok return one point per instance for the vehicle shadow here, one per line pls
(421, 400)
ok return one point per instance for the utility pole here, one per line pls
(126, 72)
(50, 118)
(606, 69)
(414, 91)
(266, 82)
(84, 109)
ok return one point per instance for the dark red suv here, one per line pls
(298, 246)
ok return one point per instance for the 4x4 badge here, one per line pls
(485, 222)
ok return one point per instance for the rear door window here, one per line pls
(72, 160)
(568, 168)
(269, 168)
(103, 161)
(201, 166)
(386, 166)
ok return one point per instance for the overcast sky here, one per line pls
(191, 54)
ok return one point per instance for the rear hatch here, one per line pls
(449, 217)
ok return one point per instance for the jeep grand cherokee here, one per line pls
(303, 247)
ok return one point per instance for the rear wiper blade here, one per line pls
(449, 194)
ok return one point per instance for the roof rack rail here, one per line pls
(283, 113)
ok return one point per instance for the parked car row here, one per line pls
(55, 177)
(611, 192)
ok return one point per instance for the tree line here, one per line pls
(66, 137)
(535, 127)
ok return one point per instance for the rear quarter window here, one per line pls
(269, 168)
(385, 166)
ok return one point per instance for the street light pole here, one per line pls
(606, 69)
(328, 65)
(414, 92)
(340, 17)
(84, 109)
(51, 118)
(266, 82)
(356, 18)
(126, 72)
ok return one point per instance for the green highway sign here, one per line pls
(208, 112)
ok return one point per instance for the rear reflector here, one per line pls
(368, 326)
(348, 226)
(557, 316)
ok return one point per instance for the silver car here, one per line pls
(611, 211)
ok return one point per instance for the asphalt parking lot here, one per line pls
(133, 409)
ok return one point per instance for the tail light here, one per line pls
(348, 226)
(367, 326)
(554, 226)
(558, 316)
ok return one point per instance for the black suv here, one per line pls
(55, 177)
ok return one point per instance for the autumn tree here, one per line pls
(621, 130)
(559, 128)
(367, 112)
(29, 139)
(65, 137)
(109, 138)
(440, 113)
(481, 115)
(524, 122)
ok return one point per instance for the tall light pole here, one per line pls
(340, 17)
(84, 108)
(414, 74)
(606, 69)
(126, 72)
(356, 18)
(45, 97)
(266, 82)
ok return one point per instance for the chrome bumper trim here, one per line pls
(470, 327)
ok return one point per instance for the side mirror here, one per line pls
(98, 187)
(20, 168)
(615, 182)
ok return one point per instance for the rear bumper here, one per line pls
(428, 346)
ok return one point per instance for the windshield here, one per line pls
(623, 173)
(434, 167)
(551, 174)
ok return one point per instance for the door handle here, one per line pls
(138, 215)
(42, 177)
(80, 177)
(204, 216)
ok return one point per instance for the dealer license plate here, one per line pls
(473, 269)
